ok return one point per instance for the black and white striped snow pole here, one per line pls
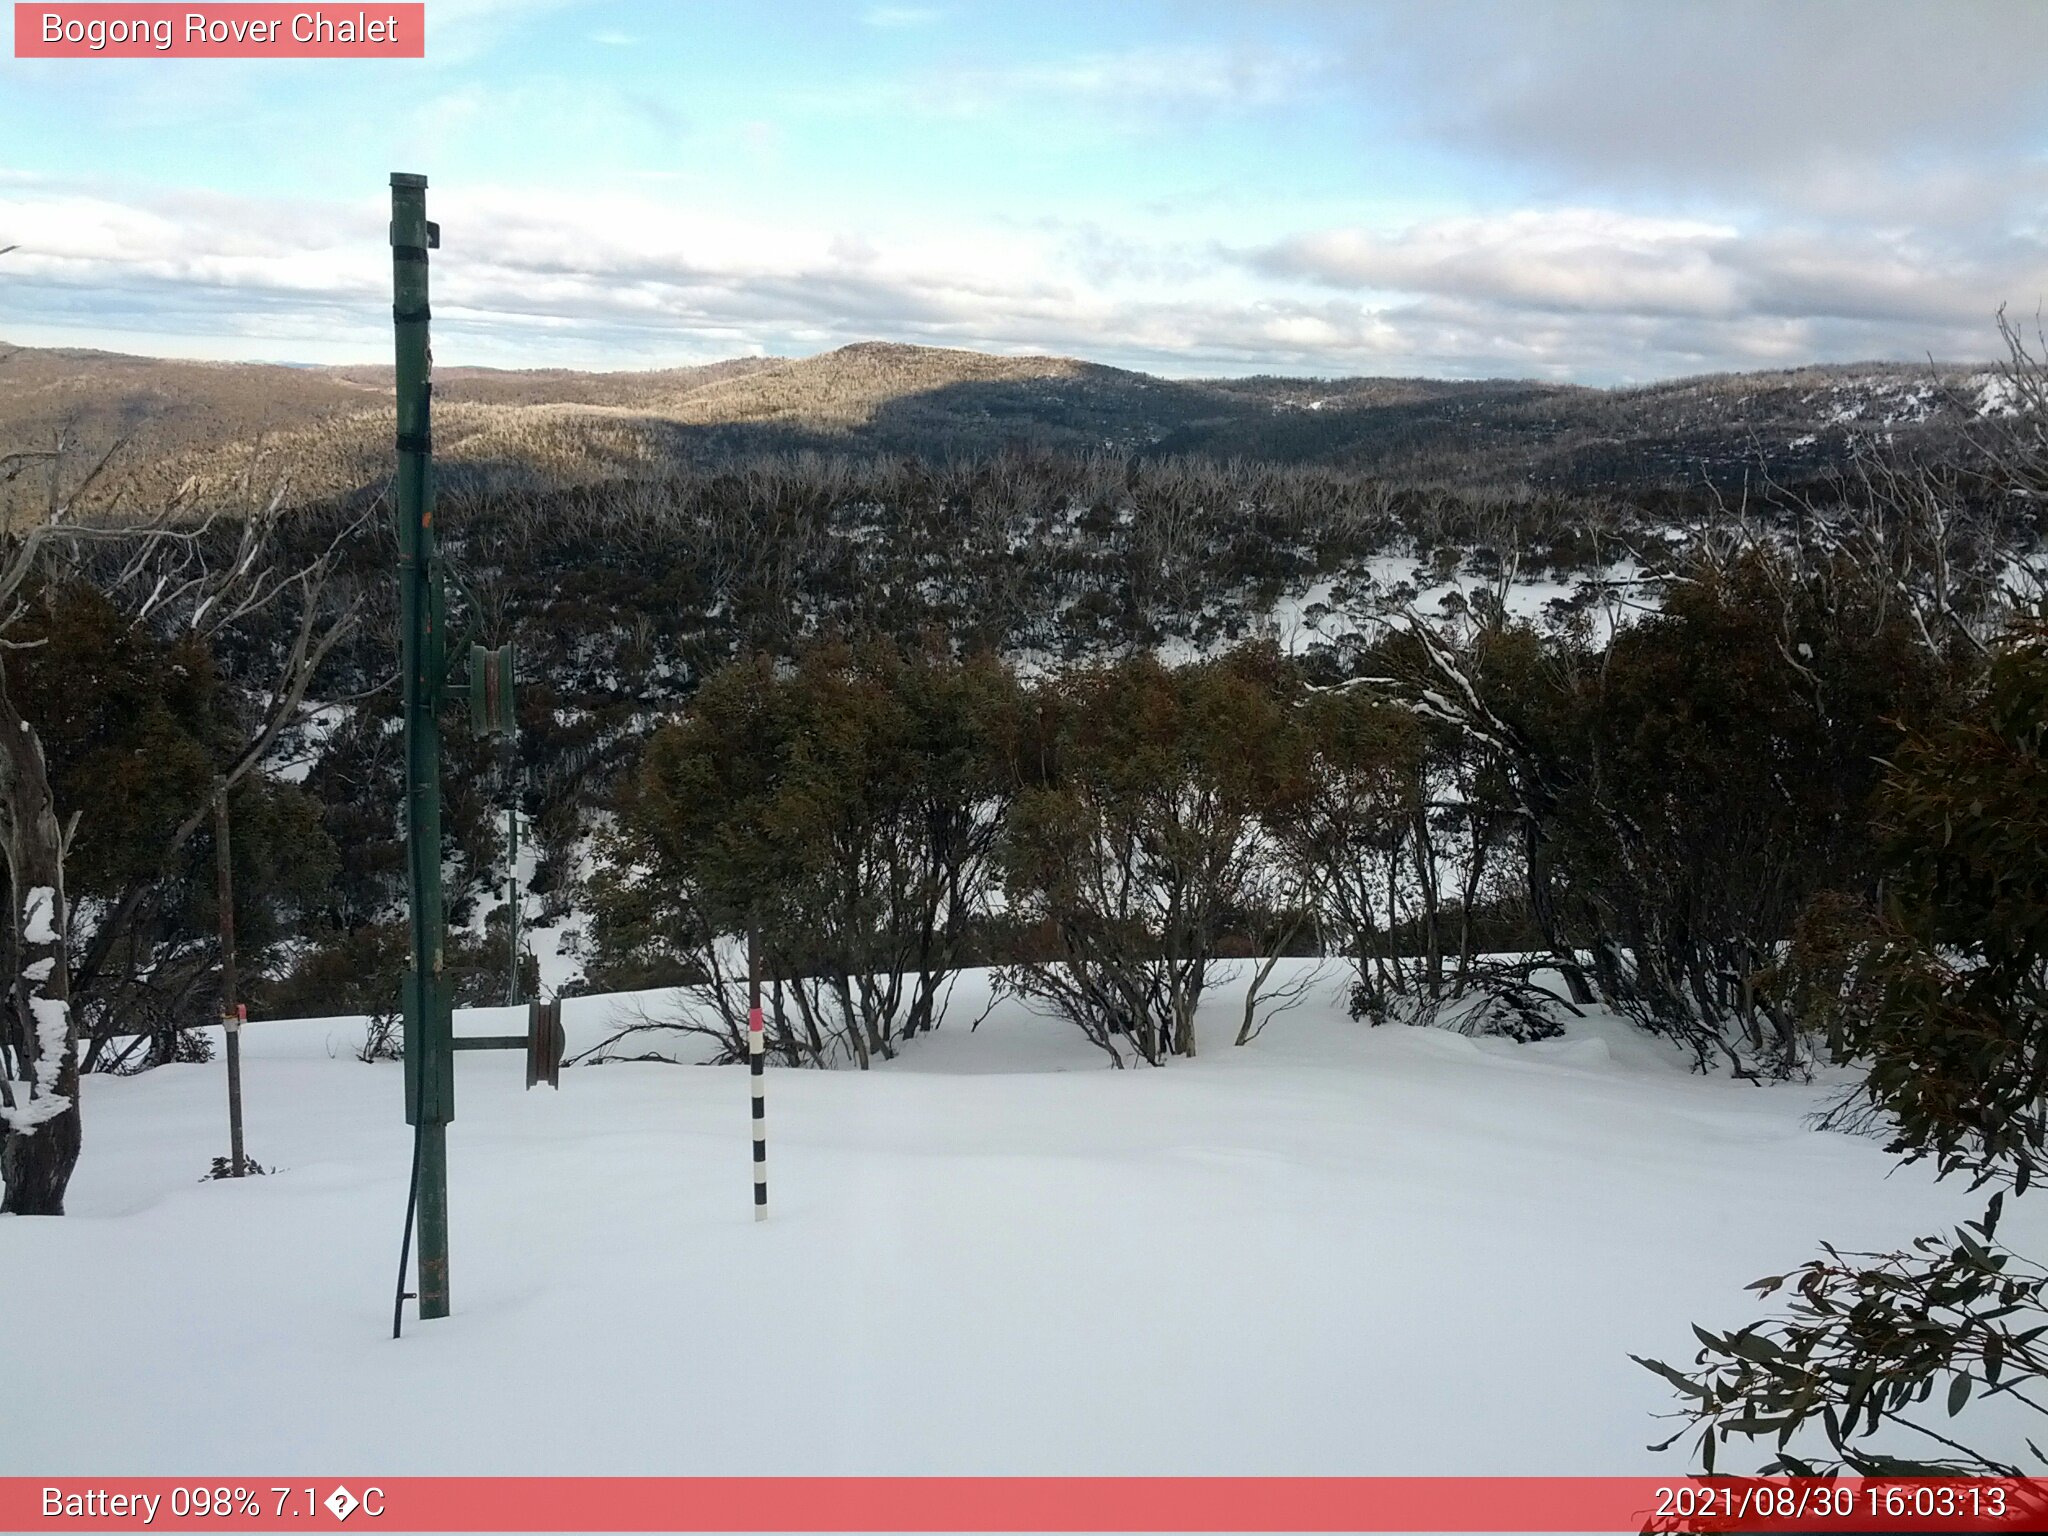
(756, 1062)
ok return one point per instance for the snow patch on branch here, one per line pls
(37, 1101)
(53, 1036)
(26, 1113)
(26, 1105)
(38, 914)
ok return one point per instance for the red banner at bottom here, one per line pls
(1504, 1504)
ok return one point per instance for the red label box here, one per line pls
(1021, 1504)
(108, 29)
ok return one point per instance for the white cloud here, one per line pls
(622, 280)
(1241, 76)
(1569, 259)
(1126, 84)
(1751, 96)
(1597, 262)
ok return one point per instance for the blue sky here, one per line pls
(1599, 191)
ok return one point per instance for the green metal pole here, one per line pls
(429, 1042)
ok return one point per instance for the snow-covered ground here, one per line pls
(1335, 1250)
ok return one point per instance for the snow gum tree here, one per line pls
(184, 575)
(1349, 825)
(133, 723)
(39, 1119)
(1719, 780)
(845, 810)
(39, 1060)
(1941, 989)
(1687, 788)
(1141, 838)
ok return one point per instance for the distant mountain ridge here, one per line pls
(327, 428)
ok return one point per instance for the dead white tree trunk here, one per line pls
(39, 1053)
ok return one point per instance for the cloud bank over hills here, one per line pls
(1591, 192)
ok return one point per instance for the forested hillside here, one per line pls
(1632, 727)
(208, 428)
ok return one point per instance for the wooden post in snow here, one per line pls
(756, 1063)
(230, 1009)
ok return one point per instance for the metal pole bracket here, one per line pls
(546, 1043)
(490, 691)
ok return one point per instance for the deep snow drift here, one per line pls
(1335, 1250)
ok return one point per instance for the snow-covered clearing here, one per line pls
(1336, 1250)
